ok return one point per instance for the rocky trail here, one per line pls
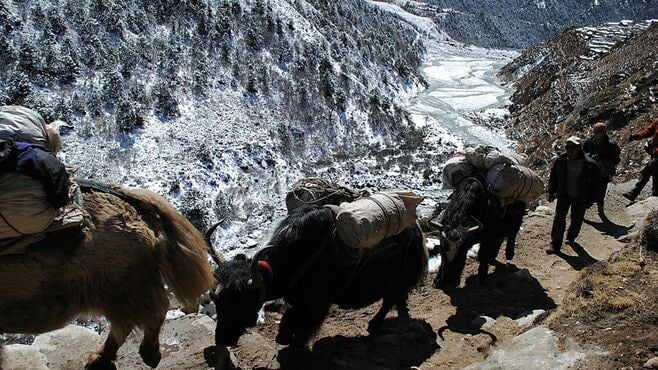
(501, 323)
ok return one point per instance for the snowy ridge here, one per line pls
(600, 40)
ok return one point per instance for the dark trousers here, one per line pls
(604, 189)
(649, 171)
(578, 207)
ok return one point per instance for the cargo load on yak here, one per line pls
(485, 157)
(481, 157)
(319, 191)
(34, 184)
(512, 182)
(25, 125)
(369, 220)
(505, 175)
(455, 170)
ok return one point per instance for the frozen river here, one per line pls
(462, 84)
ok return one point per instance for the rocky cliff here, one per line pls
(583, 76)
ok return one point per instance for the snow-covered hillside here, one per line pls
(520, 24)
(218, 105)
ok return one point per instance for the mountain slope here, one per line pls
(521, 24)
(584, 76)
(218, 104)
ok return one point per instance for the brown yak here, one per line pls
(131, 241)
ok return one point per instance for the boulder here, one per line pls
(182, 342)
(21, 356)
(66, 348)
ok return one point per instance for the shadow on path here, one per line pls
(608, 227)
(508, 291)
(399, 344)
(581, 260)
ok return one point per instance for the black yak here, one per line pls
(472, 216)
(307, 265)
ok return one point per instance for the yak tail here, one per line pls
(183, 256)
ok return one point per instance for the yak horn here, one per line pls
(435, 224)
(211, 250)
(475, 228)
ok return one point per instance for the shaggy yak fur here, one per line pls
(472, 216)
(301, 265)
(114, 267)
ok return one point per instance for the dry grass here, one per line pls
(607, 287)
(619, 296)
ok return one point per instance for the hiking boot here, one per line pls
(552, 250)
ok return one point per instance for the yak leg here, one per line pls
(103, 358)
(149, 349)
(300, 323)
(377, 321)
(400, 303)
(509, 247)
(286, 327)
(487, 254)
(401, 306)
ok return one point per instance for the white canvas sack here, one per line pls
(485, 157)
(367, 221)
(24, 206)
(514, 182)
(455, 170)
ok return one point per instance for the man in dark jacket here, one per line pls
(651, 169)
(606, 153)
(575, 182)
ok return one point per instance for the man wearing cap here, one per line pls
(575, 182)
(606, 153)
(651, 169)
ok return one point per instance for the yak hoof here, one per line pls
(284, 338)
(210, 355)
(375, 326)
(150, 355)
(96, 362)
(218, 357)
(445, 286)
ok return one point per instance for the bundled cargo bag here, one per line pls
(319, 191)
(25, 125)
(514, 182)
(367, 221)
(485, 157)
(24, 206)
(455, 170)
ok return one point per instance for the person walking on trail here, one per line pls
(575, 182)
(651, 169)
(607, 154)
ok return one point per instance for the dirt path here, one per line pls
(470, 318)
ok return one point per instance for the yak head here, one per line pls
(455, 243)
(239, 295)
